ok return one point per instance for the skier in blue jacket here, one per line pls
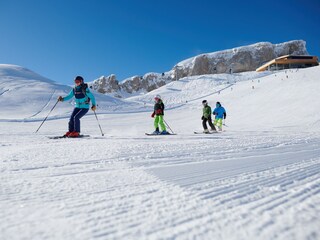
(83, 96)
(219, 113)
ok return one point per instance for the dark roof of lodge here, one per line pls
(289, 59)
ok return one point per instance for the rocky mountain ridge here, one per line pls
(240, 59)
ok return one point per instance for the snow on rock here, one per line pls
(240, 59)
(131, 86)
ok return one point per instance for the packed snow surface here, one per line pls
(257, 179)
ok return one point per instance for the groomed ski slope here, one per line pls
(259, 179)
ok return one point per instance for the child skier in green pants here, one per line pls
(158, 114)
(219, 113)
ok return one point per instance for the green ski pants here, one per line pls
(159, 121)
(218, 122)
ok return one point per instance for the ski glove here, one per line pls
(152, 115)
(93, 108)
(60, 99)
(202, 118)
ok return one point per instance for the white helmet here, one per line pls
(157, 97)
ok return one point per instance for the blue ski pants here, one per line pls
(74, 121)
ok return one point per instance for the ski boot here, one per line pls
(74, 134)
(206, 131)
(156, 131)
(67, 134)
(213, 130)
(164, 132)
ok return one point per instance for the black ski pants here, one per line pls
(209, 120)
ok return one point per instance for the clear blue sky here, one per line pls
(60, 39)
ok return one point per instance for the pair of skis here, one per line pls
(59, 137)
(159, 134)
(206, 132)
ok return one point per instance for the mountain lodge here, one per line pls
(289, 61)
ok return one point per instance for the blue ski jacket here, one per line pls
(82, 95)
(219, 112)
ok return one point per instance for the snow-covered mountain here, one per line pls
(236, 60)
(27, 95)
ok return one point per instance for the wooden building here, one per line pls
(289, 61)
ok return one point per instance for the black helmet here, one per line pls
(218, 103)
(204, 102)
(79, 78)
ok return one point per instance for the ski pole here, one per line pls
(224, 123)
(98, 123)
(168, 125)
(47, 116)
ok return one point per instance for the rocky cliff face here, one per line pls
(130, 86)
(241, 59)
(106, 84)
